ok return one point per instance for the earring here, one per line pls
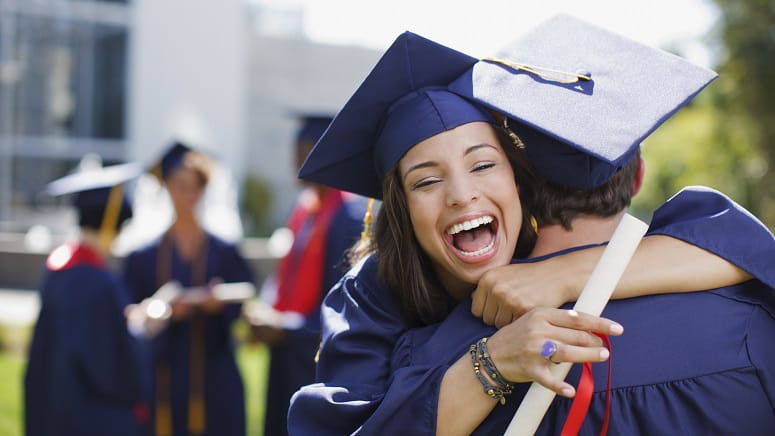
(534, 223)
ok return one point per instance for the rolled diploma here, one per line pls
(592, 300)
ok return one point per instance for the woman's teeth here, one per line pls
(470, 224)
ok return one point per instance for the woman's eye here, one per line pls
(423, 183)
(483, 166)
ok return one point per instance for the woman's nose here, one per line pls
(461, 193)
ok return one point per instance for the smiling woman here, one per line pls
(462, 197)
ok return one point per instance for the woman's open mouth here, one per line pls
(473, 238)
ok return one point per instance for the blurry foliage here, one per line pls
(726, 138)
(257, 202)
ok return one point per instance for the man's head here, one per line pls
(311, 129)
(555, 204)
(99, 197)
(582, 99)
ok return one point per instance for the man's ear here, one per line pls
(637, 183)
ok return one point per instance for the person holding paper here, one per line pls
(86, 374)
(688, 363)
(325, 223)
(402, 105)
(197, 385)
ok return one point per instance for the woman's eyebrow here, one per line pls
(473, 148)
(426, 164)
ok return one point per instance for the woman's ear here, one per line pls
(637, 183)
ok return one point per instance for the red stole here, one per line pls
(300, 272)
(72, 254)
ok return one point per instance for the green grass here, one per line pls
(252, 360)
(11, 373)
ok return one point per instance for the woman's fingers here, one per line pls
(571, 353)
(583, 321)
(545, 378)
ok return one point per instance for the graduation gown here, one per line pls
(292, 363)
(220, 382)
(85, 371)
(364, 387)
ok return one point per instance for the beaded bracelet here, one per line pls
(492, 371)
(497, 392)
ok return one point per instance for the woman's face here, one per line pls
(463, 203)
(185, 188)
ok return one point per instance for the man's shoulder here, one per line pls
(753, 292)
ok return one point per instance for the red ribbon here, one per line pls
(580, 405)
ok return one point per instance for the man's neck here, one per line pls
(586, 230)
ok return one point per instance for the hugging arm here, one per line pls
(699, 239)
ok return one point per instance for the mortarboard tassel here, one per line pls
(368, 217)
(110, 217)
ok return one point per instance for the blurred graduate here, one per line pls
(197, 389)
(86, 374)
(325, 223)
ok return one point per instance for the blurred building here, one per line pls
(63, 72)
(120, 78)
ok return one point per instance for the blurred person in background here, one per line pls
(86, 373)
(325, 222)
(196, 382)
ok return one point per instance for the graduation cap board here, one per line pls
(583, 98)
(401, 102)
(99, 196)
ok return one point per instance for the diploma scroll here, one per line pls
(152, 315)
(592, 300)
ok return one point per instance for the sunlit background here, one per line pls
(117, 80)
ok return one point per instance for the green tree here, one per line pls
(726, 138)
(746, 91)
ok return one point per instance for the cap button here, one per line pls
(583, 72)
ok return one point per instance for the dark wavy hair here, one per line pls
(406, 268)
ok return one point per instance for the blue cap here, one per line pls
(312, 127)
(583, 98)
(92, 187)
(173, 158)
(401, 102)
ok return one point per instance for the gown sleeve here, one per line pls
(361, 322)
(710, 220)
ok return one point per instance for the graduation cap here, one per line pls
(312, 127)
(99, 196)
(176, 155)
(172, 159)
(401, 102)
(583, 98)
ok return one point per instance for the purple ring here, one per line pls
(548, 350)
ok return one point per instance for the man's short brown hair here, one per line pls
(555, 204)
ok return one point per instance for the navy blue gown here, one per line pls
(85, 374)
(219, 380)
(373, 380)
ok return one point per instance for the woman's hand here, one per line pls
(505, 293)
(181, 310)
(516, 348)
